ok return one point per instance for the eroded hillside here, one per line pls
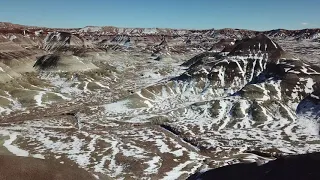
(157, 103)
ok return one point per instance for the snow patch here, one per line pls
(153, 165)
(12, 148)
(38, 98)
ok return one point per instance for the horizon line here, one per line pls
(189, 29)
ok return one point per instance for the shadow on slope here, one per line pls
(47, 61)
(297, 167)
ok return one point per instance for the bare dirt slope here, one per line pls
(23, 168)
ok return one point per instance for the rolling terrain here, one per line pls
(137, 103)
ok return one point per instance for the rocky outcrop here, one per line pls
(47, 61)
(260, 44)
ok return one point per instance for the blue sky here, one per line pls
(191, 14)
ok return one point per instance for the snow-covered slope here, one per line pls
(254, 93)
